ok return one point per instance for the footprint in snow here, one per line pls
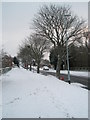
(15, 99)
(37, 89)
(30, 94)
(45, 87)
(34, 93)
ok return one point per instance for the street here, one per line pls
(74, 79)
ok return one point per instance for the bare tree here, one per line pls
(39, 46)
(33, 48)
(87, 39)
(58, 24)
(87, 45)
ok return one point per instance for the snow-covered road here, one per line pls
(31, 95)
(74, 73)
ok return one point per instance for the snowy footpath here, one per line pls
(30, 95)
(0, 98)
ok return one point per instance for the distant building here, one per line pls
(6, 61)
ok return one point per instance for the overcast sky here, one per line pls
(17, 19)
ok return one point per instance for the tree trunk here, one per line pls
(38, 71)
(58, 67)
(55, 66)
(30, 67)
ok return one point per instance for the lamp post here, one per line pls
(68, 61)
(69, 81)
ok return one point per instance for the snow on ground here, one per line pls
(31, 95)
(0, 98)
(78, 85)
(75, 73)
(88, 105)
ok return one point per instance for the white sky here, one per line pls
(17, 18)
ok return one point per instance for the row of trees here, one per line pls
(78, 58)
(33, 49)
(53, 25)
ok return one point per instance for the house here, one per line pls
(6, 61)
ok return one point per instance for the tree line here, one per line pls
(78, 58)
(54, 26)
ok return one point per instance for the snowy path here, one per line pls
(0, 98)
(30, 95)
